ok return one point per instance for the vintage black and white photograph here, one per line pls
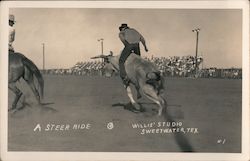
(126, 79)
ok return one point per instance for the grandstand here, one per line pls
(169, 66)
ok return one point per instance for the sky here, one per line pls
(70, 35)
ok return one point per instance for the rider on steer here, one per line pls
(11, 32)
(131, 39)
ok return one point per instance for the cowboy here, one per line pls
(11, 32)
(131, 39)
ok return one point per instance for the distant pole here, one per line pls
(43, 57)
(197, 30)
(102, 46)
(202, 63)
(101, 40)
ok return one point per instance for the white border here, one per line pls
(46, 156)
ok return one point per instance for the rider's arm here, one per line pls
(13, 35)
(143, 42)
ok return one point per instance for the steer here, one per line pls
(142, 74)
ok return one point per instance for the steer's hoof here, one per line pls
(11, 109)
(136, 106)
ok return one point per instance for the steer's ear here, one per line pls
(111, 53)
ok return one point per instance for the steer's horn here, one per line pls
(99, 56)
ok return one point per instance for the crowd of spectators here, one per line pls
(80, 68)
(233, 73)
(175, 66)
(88, 68)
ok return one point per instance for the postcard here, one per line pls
(124, 80)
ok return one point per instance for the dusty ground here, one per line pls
(212, 106)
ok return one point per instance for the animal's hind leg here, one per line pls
(28, 77)
(130, 95)
(163, 103)
(18, 94)
(138, 91)
(151, 93)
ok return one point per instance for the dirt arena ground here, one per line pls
(89, 114)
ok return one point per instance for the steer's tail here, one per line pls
(156, 80)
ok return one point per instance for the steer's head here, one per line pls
(109, 67)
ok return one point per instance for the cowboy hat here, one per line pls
(12, 18)
(124, 25)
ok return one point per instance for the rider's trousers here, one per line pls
(128, 49)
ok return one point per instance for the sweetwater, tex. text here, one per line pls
(163, 128)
